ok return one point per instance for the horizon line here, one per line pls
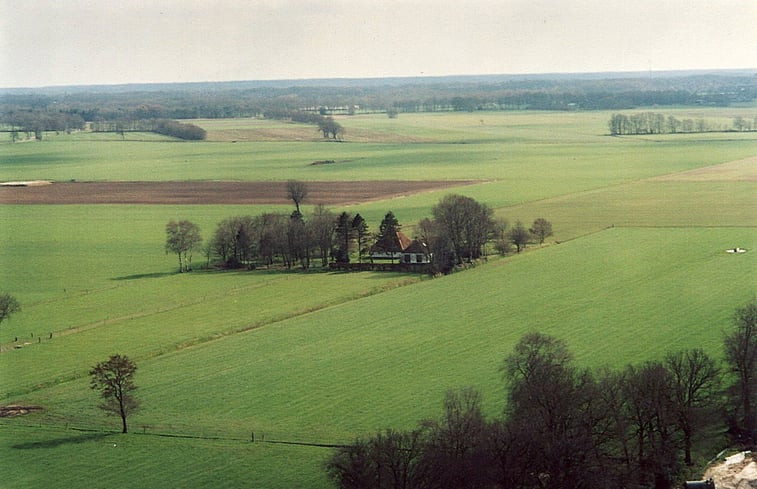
(634, 73)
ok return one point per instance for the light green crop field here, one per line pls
(637, 267)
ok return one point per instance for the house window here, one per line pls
(407, 258)
(419, 258)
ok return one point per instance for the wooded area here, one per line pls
(312, 101)
(457, 233)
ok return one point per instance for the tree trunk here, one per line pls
(748, 417)
(687, 447)
(121, 410)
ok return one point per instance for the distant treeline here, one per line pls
(326, 124)
(656, 123)
(327, 97)
(160, 126)
(37, 122)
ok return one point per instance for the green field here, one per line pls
(320, 358)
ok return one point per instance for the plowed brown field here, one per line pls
(249, 193)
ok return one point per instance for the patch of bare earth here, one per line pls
(27, 183)
(245, 193)
(263, 134)
(736, 472)
(733, 171)
(297, 132)
(16, 410)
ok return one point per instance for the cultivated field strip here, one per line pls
(216, 192)
(168, 320)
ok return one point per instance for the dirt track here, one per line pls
(248, 193)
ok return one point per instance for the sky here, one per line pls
(89, 42)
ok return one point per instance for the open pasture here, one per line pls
(321, 357)
(619, 296)
(56, 458)
(530, 155)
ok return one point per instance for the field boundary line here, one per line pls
(184, 436)
(202, 340)
(684, 226)
(136, 315)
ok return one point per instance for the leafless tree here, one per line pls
(519, 236)
(297, 191)
(741, 357)
(541, 229)
(466, 223)
(114, 379)
(321, 229)
(695, 378)
(183, 238)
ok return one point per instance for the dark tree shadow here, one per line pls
(56, 442)
(143, 275)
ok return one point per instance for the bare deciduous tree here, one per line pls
(297, 191)
(183, 238)
(114, 379)
(519, 236)
(541, 229)
(321, 228)
(466, 223)
(695, 378)
(741, 356)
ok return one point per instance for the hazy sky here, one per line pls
(65, 42)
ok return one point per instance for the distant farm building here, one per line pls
(398, 248)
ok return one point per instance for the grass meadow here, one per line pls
(637, 267)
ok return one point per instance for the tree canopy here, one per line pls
(741, 356)
(541, 229)
(465, 223)
(297, 191)
(114, 378)
(9, 305)
(183, 238)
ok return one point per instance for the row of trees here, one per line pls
(461, 227)
(180, 130)
(36, 122)
(253, 99)
(330, 128)
(569, 427)
(656, 123)
(457, 232)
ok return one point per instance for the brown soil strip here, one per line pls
(245, 193)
